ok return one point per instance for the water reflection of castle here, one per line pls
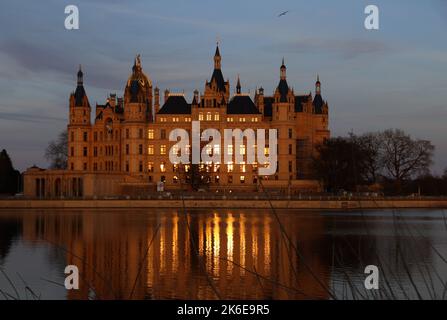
(110, 252)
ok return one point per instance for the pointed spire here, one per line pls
(217, 54)
(136, 64)
(318, 85)
(80, 76)
(217, 57)
(238, 86)
(283, 70)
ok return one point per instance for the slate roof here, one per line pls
(268, 102)
(175, 105)
(299, 100)
(242, 104)
(318, 104)
(218, 76)
(79, 95)
(283, 88)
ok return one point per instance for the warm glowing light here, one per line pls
(230, 241)
(216, 244)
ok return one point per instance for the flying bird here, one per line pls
(283, 13)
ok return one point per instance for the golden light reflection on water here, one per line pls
(242, 245)
(216, 244)
(175, 251)
(230, 242)
(267, 244)
(231, 246)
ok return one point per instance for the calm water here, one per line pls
(232, 254)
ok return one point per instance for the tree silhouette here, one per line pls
(57, 151)
(9, 177)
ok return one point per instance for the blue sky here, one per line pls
(392, 78)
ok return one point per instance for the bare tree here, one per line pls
(404, 157)
(372, 144)
(57, 151)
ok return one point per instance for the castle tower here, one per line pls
(238, 86)
(320, 110)
(79, 127)
(137, 116)
(157, 99)
(217, 87)
(138, 95)
(283, 116)
(260, 100)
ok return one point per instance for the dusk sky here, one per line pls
(395, 77)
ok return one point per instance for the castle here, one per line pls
(125, 150)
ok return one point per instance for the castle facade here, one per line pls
(125, 149)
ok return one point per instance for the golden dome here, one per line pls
(138, 83)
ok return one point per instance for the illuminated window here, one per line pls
(230, 167)
(162, 167)
(242, 149)
(241, 119)
(208, 116)
(254, 119)
(175, 150)
(230, 119)
(163, 149)
(216, 117)
(266, 151)
(209, 150)
(150, 167)
(162, 119)
(150, 149)
(175, 179)
(230, 149)
(187, 119)
(150, 134)
(217, 149)
(216, 167)
(200, 116)
(242, 179)
(243, 167)
(175, 119)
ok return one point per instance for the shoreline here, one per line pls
(229, 204)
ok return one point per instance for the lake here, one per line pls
(222, 253)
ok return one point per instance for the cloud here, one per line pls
(15, 116)
(347, 49)
(103, 71)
